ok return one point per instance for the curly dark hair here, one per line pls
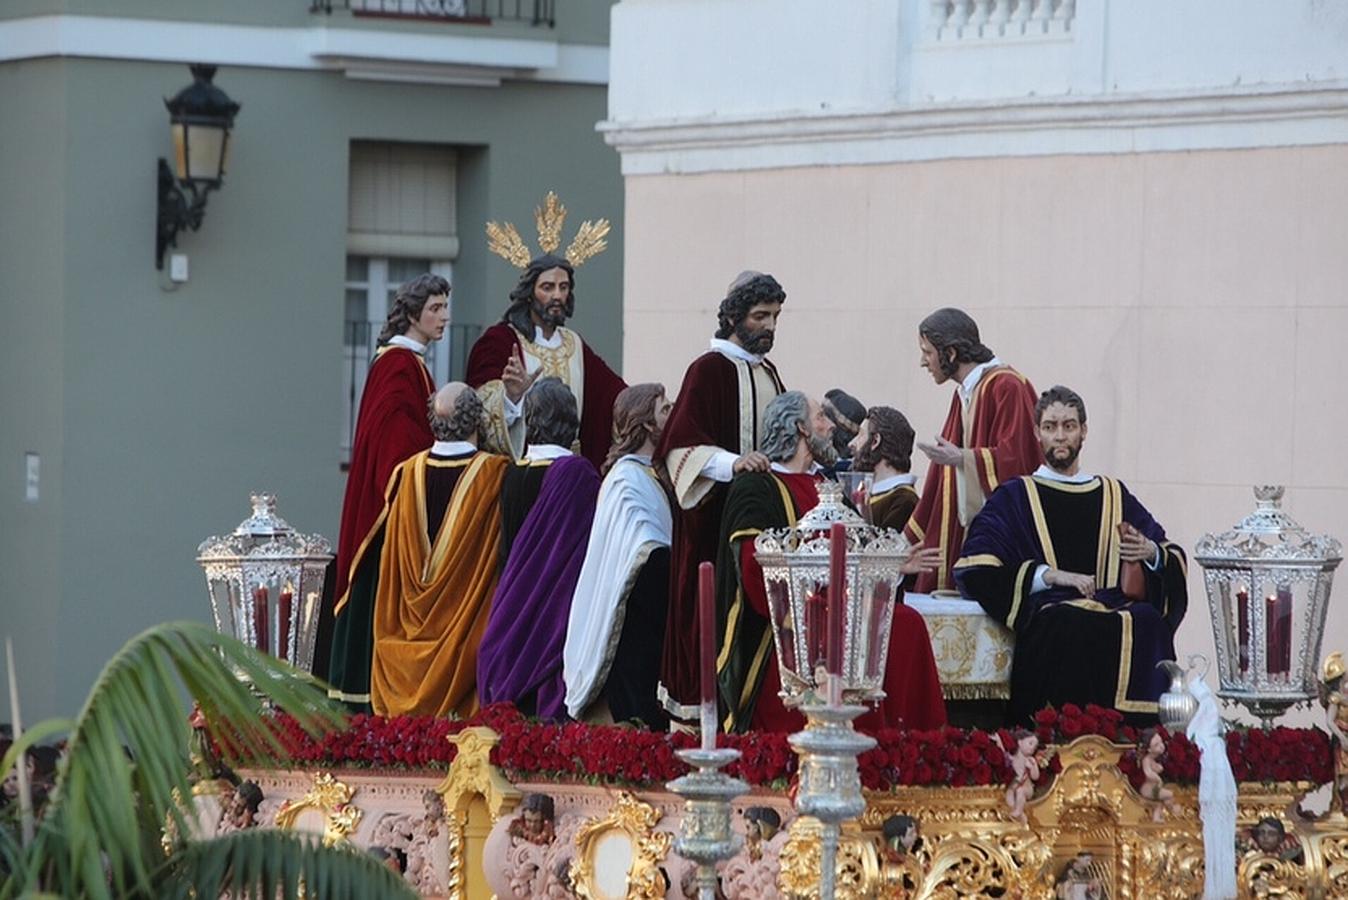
(633, 415)
(746, 291)
(550, 414)
(462, 422)
(1059, 394)
(953, 329)
(517, 313)
(896, 440)
(409, 301)
(896, 826)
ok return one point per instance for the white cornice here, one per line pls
(1258, 116)
(384, 55)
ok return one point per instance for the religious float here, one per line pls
(1081, 806)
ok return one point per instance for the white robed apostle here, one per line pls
(616, 628)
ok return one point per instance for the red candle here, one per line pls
(283, 622)
(1243, 628)
(1278, 625)
(706, 620)
(260, 618)
(837, 596)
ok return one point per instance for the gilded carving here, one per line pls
(332, 799)
(649, 848)
(857, 871)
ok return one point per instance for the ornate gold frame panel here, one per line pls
(471, 775)
(636, 820)
(330, 797)
(857, 872)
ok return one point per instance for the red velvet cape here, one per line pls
(602, 385)
(707, 412)
(390, 427)
(1005, 445)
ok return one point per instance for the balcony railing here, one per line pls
(534, 12)
(966, 19)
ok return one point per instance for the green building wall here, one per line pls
(157, 408)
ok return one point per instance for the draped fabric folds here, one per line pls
(432, 601)
(631, 520)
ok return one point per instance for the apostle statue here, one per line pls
(797, 438)
(520, 660)
(532, 339)
(617, 624)
(988, 437)
(1083, 575)
(846, 413)
(390, 427)
(713, 433)
(884, 446)
(436, 542)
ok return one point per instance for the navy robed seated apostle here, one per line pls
(1082, 573)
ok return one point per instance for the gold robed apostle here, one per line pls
(435, 585)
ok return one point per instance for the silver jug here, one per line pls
(1177, 706)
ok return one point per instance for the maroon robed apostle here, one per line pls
(989, 437)
(713, 433)
(391, 426)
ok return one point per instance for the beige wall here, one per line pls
(1198, 301)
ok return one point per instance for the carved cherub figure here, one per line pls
(241, 810)
(1025, 772)
(1336, 720)
(1150, 759)
(1078, 880)
(535, 822)
(760, 824)
(1269, 836)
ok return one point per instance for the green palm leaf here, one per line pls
(126, 759)
(277, 864)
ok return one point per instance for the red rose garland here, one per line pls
(531, 750)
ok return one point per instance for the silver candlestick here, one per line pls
(830, 782)
(705, 834)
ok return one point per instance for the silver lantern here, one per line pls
(1268, 584)
(266, 583)
(795, 564)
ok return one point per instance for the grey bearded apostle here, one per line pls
(1082, 574)
(617, 624)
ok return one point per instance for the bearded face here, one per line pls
(551, 293)
(864, 456)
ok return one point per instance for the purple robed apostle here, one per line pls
(520, 659)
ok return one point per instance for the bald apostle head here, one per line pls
(455, 413)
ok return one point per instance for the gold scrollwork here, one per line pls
(332, 799)
(856, 874)
(1268, 876)
(637, 821)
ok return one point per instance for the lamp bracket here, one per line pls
(181, 206)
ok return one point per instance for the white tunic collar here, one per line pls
(971, 380)
(1050, 474)
(735, 351)
(402, 340)
(452, 448)
(893, 481)
(546, 451)
(551, 343)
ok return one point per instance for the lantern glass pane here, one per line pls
(179, 133)
(205, 152)
(779, 606)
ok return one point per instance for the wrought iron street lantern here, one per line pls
(1268, 584)
(795, 564)
(200, 118)
(266, 583)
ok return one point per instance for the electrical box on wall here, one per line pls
(178, 267)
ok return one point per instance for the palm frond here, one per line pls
(257, 863)
(127, 752)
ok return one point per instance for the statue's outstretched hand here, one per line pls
(943, 452)
(515, 376)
